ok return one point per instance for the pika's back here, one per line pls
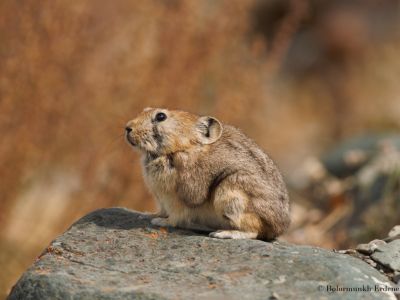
(234, 153)
(237, 149)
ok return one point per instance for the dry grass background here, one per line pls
(73, 72)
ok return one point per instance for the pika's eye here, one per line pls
(160, 117)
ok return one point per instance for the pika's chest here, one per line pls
(160, 175)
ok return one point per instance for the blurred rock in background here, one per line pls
(355, 188)
(297, 76)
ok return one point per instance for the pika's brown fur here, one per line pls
(208, 175)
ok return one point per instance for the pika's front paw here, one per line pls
(162, 222)
(159, 214)
(233, 234)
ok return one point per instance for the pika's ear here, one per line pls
(210, 129)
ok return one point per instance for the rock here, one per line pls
(364, 248)
(389, 239)
(347, 251)
(394, 232)
(370, 261)
(370, 247)
(396, 278)
(353, 153)
(358, 178)
(116, 254)
(388, 255)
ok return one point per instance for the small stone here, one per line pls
(341, 251)
(375, 244)
(274, 296)
(388, 255)
(364, 248)
(394, 231)
(351, 251)
(370, 247)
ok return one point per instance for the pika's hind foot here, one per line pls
(233, 234)
(162, 222)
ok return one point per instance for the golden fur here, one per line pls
(209, 176)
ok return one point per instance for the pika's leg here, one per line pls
(154, 215)
(233, 206)
(161, 217)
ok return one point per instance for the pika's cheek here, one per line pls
(179, 143)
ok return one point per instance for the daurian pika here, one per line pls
(208, 175)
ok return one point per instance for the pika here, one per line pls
(209, 176)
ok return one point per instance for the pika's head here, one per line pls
(160, 131)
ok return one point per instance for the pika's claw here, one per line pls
(233, 234)
(162, 222)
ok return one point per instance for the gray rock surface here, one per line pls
(116, 254)
(337, 161)
(388, 255)
(361, 174)
(370, 247)
(394, 232)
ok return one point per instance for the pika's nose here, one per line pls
(128, 129)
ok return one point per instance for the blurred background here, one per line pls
(315, 83)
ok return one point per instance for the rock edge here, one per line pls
(117, 254)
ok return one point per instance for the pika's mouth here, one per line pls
(130, 140)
